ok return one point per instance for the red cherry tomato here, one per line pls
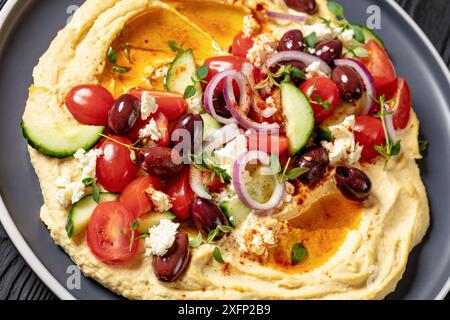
(135, 197)
(179, 190)
(90, 104)
(115, 167)
(268, 143)
(172, 105)
(328, 92)
(402, 106)
(163, 127)
(214, 185)
(369, 133)
(379, 64)
(109, 233)
(241, 45)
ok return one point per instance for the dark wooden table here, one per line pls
(18, 281)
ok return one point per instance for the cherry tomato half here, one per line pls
(277, 144)
(379, 64)
(135, 197)
(109, 233)
(327, 90)
(90, 104)
(172, 105)
(179, 190)
(115, 167)
(241, 45)
(402, 106)
(369, 133)
(163, 128)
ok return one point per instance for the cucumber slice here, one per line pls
(235, 211)
(81, 213)
(210, 125)
(370, 34)
(60, 140)
(298, 117)
(153, 219)
(181, 72)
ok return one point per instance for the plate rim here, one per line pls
(42, 272)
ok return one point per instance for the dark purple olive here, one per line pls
(348, 82)
(206, 215)
(124, 114)
(220, 105)
(329, 50)
(189, 127)
(307, 6)
(159, 161)
(316, 160)
(171, 266)
(353, 183)
(291, 41)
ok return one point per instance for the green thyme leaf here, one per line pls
(197, 242)
(212, 235)
(202, 72)
(296, 172)
(225, 229)
(297, 73)
(89, 182)
(396, 148)
(336, 8)
(134, 225)
(423, 146)
(275, 165)
(120, 69)
(361, 52)
(358, 33)
(327, 106)
(298, 253)
(174, 46)
(112, 56)
(189, 92)
(311, 40)
(217, 254)
(96, 193)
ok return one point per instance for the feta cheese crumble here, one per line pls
(148, 105)
(322, 31)
(313, 70)
(227, 156)
(195, 105)
(70, 193)
(251, 26)
(264, 46)
(87, 161)
(347, 36)
(161, 238)
(270, 109)
(150, 131)
(344, 148)
(160, 200)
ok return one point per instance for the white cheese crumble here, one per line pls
(347, 36)
(148, 105)
(195, 105)
(150, 131)
(227, 156)
(69, 194)
(264, 46)
(160, 200)
(251, 26)
(87, 161)
(322, 31)
(270, 109)
(344, 148)
(313, 70)
(161, 238)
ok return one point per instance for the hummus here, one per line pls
(355, 250)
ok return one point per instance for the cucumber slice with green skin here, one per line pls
(181, 72)
(81, 213)
(298, 116)
(210, 125)
(152, 220)
(370, 34)
(60, 140)
(235, 211)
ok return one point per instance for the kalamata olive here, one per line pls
(158, 161)
(124, 114)
(329, 50)
(307, 6)
(291, 41)
(316, 160)
(171, 266)
(348, 82)
(206, 215)
(192, 124)
(220, 105)
(353, 183)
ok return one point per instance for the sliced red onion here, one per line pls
(209, 96)
(306, 58)
(247, 70)
(286, 16)
(389, 120)
(366, 77)
(241, 189)
(221, 137)
(236, 112)
(196, 183)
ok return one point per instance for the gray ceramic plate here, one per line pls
(27, 28)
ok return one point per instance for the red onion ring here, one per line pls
(306, 58)
(239, 183)
(221, 137)
(286, 16)
(232, 105)
(366, 77)
(209, 96)
(196, 183)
